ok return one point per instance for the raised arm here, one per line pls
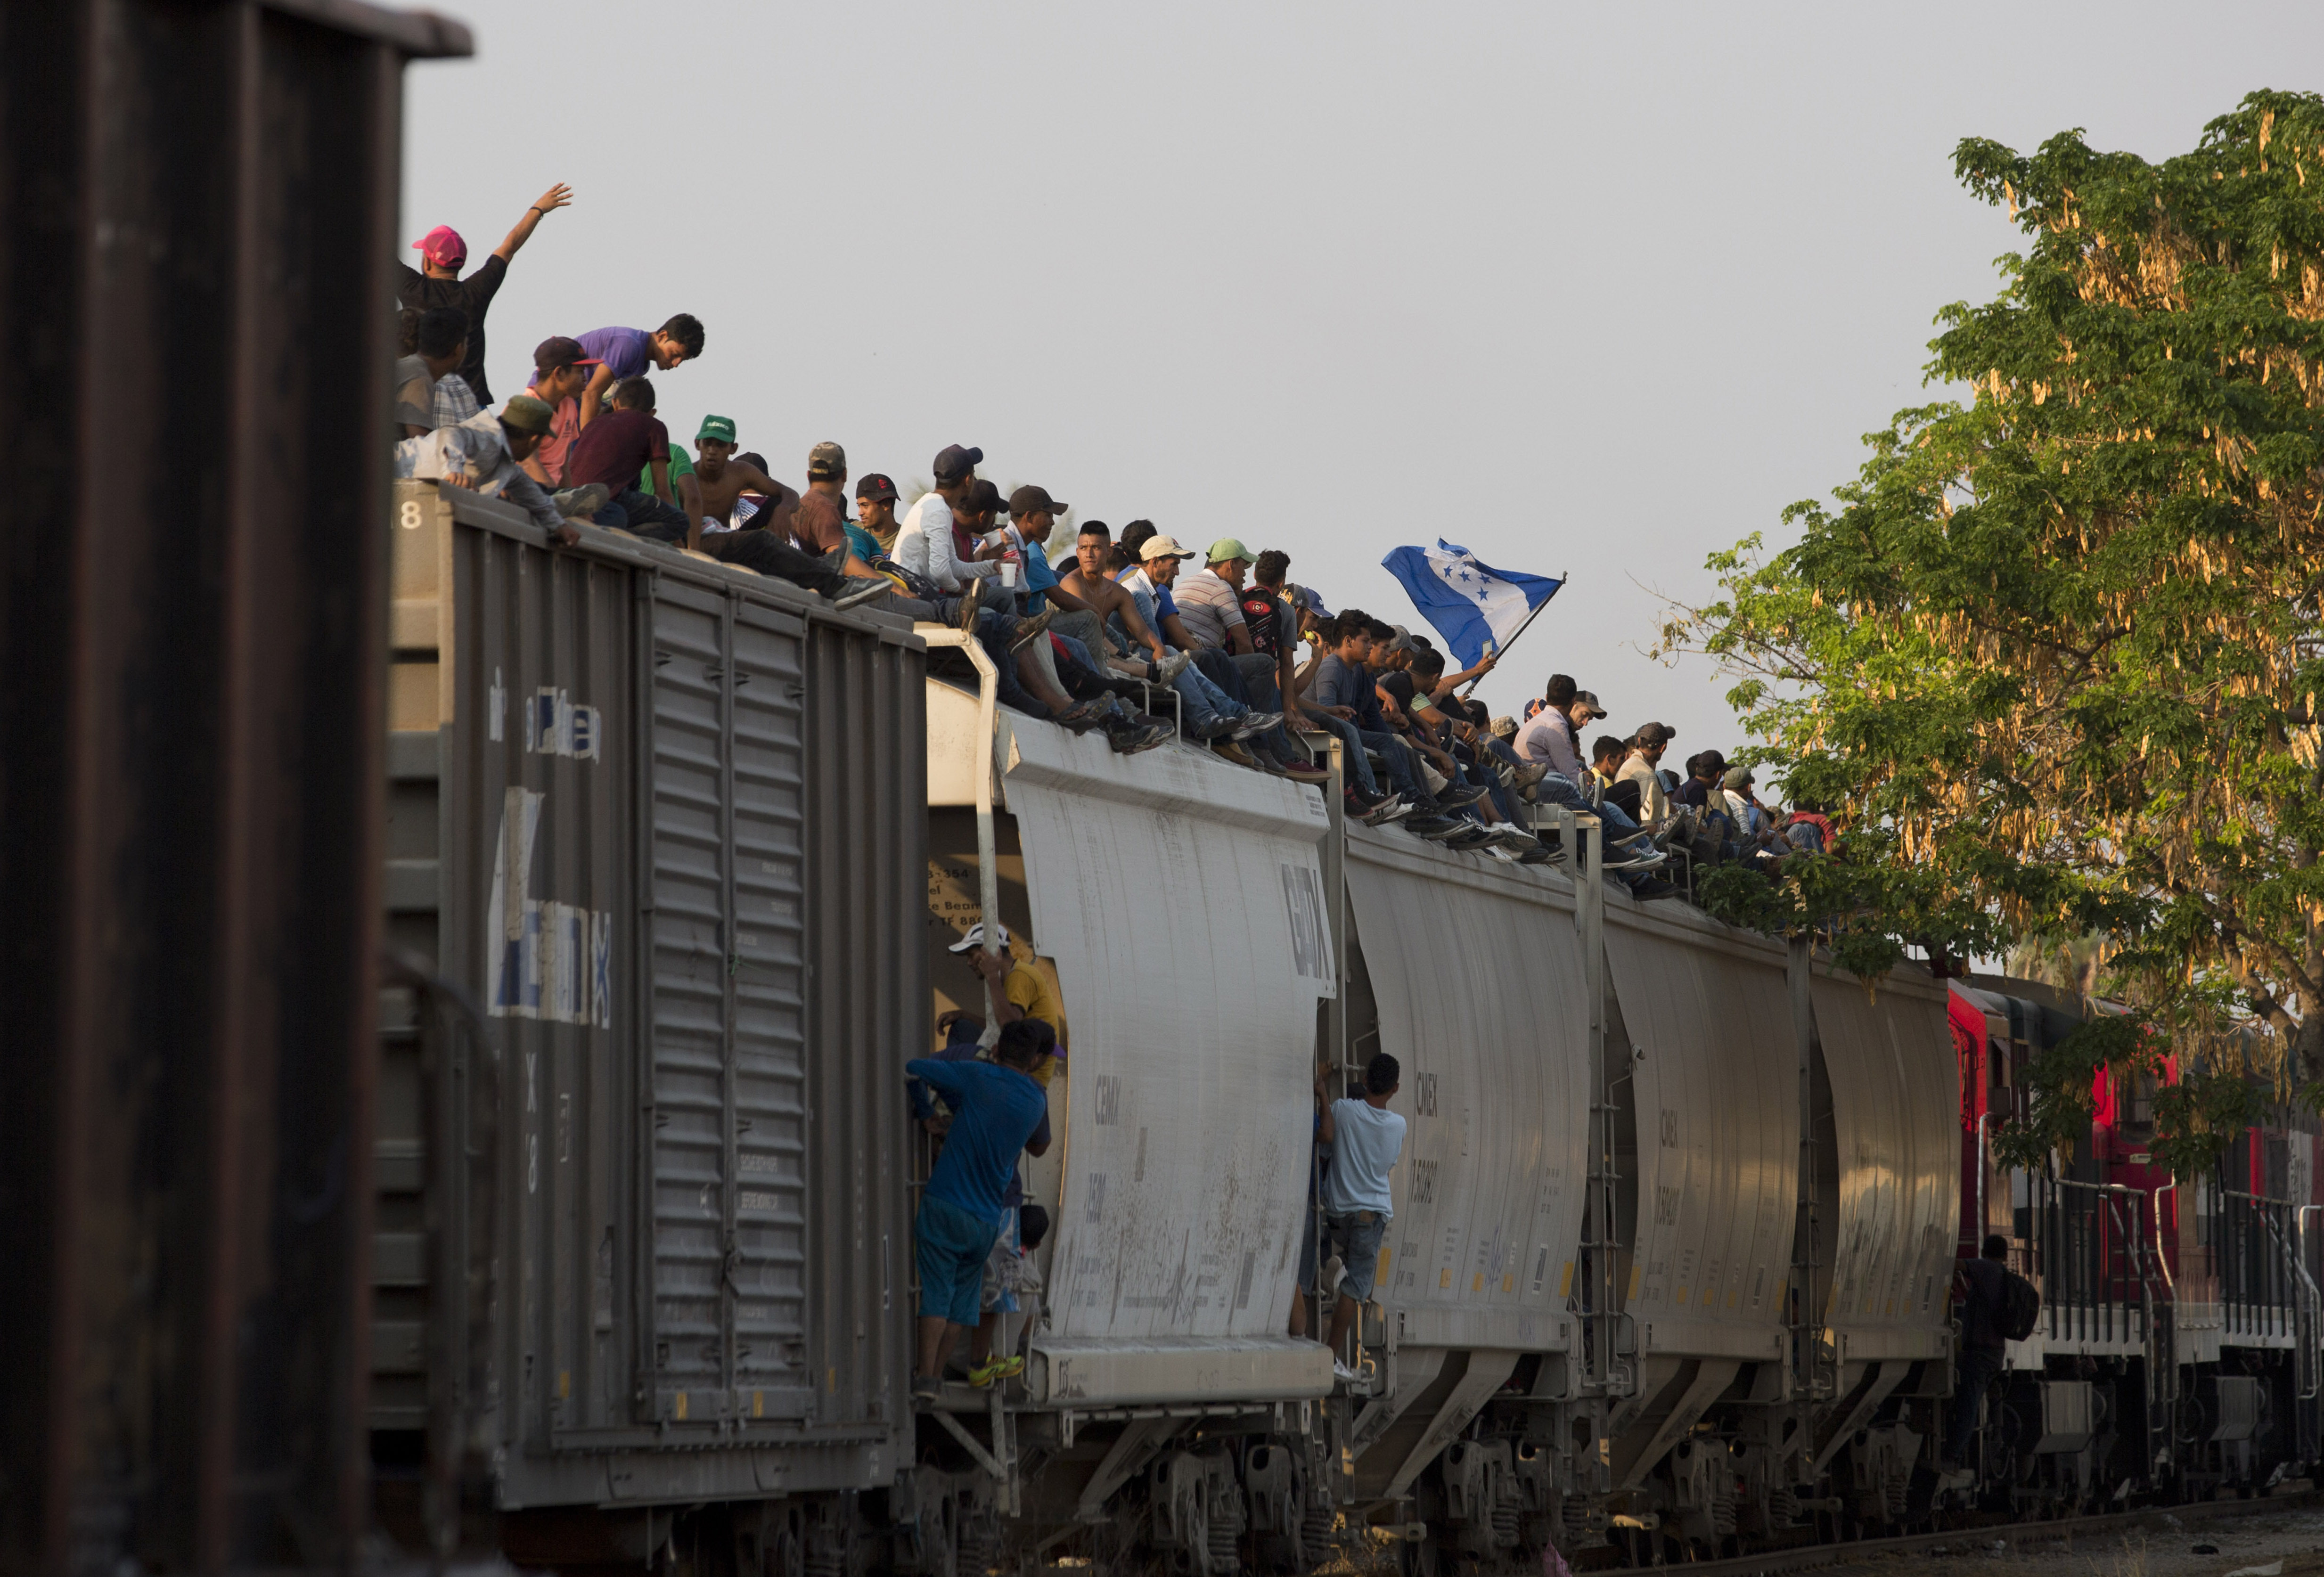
(1448, 683)
(554, 198)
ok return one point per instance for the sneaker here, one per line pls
(1472, 837)
(1435, 829)
(1457, 796)
(1027, 628)
(1252, 723)
(1333, 1269)
(1129, 739)
(584, 501)
(1167, 671)
(1227, 749)
(996, 1369)
(862, 591)
(925, 1389)
(1081, 717)
(1537, 855)
(1631, 860)
(1298, 772)
(1495, 852)
(1525, 774)
(1388, 807)
(1340, 1371)
(972, 603)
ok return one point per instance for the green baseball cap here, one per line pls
(721, 428)
(1227, 548)
(526, 414)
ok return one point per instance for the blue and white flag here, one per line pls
(1469, 603)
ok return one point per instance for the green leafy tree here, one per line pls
(2053, 657)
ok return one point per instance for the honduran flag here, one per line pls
(1469, 603)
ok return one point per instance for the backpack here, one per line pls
(2021, 1306)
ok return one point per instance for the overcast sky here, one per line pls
(1586, 289)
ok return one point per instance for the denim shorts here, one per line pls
(951, 1246)
(1357, 1239)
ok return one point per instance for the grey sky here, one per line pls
(1588, 289)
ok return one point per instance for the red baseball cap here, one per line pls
(443, 247)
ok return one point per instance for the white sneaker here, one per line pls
(1334, 1269)
(1343, 1372)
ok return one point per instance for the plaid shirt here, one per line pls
(455, 400)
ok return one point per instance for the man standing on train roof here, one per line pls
(1982, 1281)
(998, 1108)
(436, 282)
(1366, 1139)
(628, 353)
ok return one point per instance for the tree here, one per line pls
(2054, 654)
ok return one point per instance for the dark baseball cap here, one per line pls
(1655, 734)
(952, 462)
(982, 497)
(876, 488)
(1033, 500)
(560, 351)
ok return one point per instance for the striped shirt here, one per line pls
(1209, 607)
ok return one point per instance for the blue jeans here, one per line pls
(1351, 753)
(1403, 768)
(647, 516)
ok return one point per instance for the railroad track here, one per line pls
(1970, 1537)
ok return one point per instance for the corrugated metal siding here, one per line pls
(197, 202)
(664, 786)
(864, 775)
(729, 1043)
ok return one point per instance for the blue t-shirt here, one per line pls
(622, 350)
(996, 1111)
(963, 1047)
(866, 545)
(1040, 574)
(1350, 685)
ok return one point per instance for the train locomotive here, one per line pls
(676, 856)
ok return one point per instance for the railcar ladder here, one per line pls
(1605, 1375)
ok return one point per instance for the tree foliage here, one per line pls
(2053, 658)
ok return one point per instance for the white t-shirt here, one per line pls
(1365, 1143)
(924, 545)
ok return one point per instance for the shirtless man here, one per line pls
(724, 479)
(1090, 588)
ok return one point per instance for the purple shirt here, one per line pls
(623, 350)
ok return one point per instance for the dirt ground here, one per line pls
(2259, 1539)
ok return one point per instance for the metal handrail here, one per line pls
(2310, 1301)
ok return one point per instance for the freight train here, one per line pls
(676, 858)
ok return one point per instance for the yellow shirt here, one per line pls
(1027, 989)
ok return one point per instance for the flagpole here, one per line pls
(1521, 630)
